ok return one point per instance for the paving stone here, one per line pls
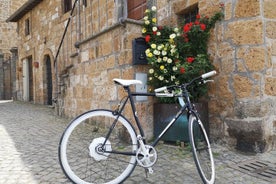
(29, 139)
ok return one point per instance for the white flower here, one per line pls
(156, 52)
(169, 60)
(160, 47)
(174, 68)
(161, 77)
(153, 8)
(176, 30)
(150, 78)
(173, 51)
(146, 18)
(154, 28)
(147, 22)
(172, 36)
(165, 58)
(172, 78)
(151, 71)
(164, 53)
(147, 51)
(159, 60)
(158, 33)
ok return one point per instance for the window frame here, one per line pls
(27, 27)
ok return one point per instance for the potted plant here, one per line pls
(177, 54)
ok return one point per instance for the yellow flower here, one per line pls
(162, 67)
(144, 30)
(153, 46)
(154, 20)
(150, 55)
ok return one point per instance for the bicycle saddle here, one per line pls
(125, 82)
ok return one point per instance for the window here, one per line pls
(188, 16)
(27, 27)
(67, 5)
(84, 2)
(136, 9)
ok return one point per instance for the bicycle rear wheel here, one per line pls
(83, 158)
(201, 149)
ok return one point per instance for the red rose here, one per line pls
(154, 32)
(187, 27)
(197, 16)
(182, 70)
(147, 38)
(202, 27)
(190, 59)
(196, 22)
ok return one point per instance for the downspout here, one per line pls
(55, 100)
(123, 18)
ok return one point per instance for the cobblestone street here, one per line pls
(29, 138)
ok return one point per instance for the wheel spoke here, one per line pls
(85, 162)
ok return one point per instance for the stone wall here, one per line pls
(243, 96)
(7, 41)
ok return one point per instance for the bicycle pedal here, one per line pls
(148, 171)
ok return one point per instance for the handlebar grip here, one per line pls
(160, 89)
(209, 74)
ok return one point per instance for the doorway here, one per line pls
(28, 94)
(49, 81)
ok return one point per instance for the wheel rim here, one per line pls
(198, 151)
(101, 158)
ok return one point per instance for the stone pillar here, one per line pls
(14, 59)
(1, 77)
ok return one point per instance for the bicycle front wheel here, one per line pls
(83, 157)
(201, 149)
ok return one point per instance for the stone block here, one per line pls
(242, 86)
(253, 57)
(223, 90)
(270, 86)
(269, 9)
(253, 108)
(245, 32)
(249, 134)
(270, 29)
(247, 8)
(228, 12)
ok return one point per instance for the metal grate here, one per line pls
(260, 169)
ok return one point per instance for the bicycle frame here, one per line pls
(186, 106)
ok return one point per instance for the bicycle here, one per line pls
(102, 146)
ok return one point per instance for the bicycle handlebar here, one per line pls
(203, 76)
(209, 74)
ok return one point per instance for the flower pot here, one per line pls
(163, 113)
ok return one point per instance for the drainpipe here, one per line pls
(55, 100)
(124, 14)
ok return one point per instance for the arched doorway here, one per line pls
(49, 81)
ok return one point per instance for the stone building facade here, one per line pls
(97, 47)
(7, 41)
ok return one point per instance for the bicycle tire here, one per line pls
(78, 155)
(201, 149)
